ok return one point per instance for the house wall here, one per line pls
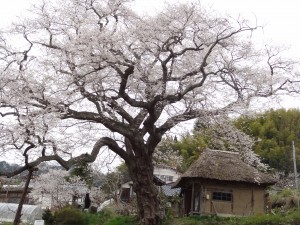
(12, 196)
(127, 185)
(164, 174)
(260, 201)
(245, 199)
(212, 206)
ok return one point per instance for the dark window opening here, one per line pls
(125, 194)
(222, 196)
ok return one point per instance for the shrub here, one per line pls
(262, 220)
(291, 218)
(105, 215)
(91, 219)
(69, 216)
(48, 217)
(286, 199)
(123, 220)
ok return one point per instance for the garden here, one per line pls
(284, 212)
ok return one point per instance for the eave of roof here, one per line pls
(224, 166)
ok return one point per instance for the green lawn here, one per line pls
(292, 218)
(106, 218)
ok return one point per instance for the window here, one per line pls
(222, 196)
(166, 178)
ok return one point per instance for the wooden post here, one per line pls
(295, 165)
(192, 202)
(202, 200)
(252, 201)
(295, 171)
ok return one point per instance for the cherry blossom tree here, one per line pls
(55, 189)
(82, 76)
(222, 134)
(166, 155)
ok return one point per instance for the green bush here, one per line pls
(286, 199)
(48, 217)
(91, 219)
(291, 218)
(261, 220)
(122, 220)
(73, 216)
(105, 215)
(69, 216)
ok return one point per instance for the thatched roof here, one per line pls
(224, 166)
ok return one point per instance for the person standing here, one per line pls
(87, 201)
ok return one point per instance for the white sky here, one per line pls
(281, 21)
(280, 18)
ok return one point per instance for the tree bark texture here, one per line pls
(18, 215)
(148, 204)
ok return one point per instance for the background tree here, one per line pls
(274, 132)
(166, 154)
(222, 134)
(56, 188)
(112, 183)
(190, 146)
(84, 171)
(82, 75)
(217, 134)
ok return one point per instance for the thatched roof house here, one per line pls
(220, 182)
(224, 166)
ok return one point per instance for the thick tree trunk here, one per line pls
(141, 172)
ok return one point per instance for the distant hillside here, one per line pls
(43, 167)
(6, 167)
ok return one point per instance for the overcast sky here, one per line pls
(281, 21)
(280, 18)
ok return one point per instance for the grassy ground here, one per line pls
(106, 218)
(292, 218)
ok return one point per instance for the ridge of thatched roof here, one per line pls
(224, 166)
